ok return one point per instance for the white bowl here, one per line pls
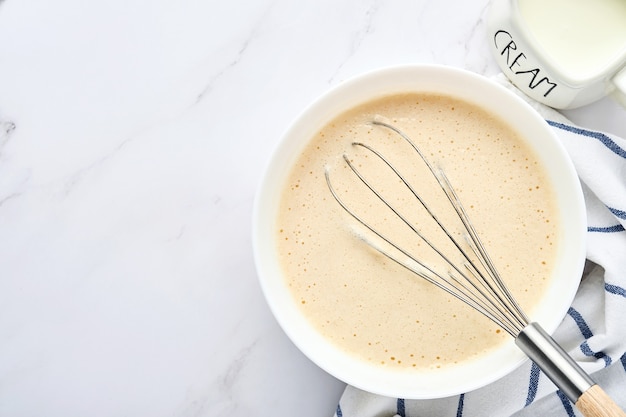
(466, 86)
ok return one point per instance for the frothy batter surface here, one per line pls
(369, 305)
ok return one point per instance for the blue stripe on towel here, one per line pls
(610, 229)
(400, 406)
(566, 403)
(617, 213)
(606, 141)
(535, 371)
(587, 334)
(581, 323)
(584, 347)
(459, 408)
(339, 413)
(623, 361)
(614, 289)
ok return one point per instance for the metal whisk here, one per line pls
(477, 283)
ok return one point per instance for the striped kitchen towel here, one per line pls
(594, 330)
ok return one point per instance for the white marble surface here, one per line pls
(132, 138)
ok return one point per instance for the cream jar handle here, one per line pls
(619, 80)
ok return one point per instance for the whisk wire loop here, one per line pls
(483, 289)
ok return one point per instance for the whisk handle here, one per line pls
(596, 403)
(566, 374)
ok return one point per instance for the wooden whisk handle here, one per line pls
(596, 403)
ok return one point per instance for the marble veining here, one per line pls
(240, 51)
(132, 139)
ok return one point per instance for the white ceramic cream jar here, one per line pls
(562, 53)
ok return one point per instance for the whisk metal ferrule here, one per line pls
(566, 374)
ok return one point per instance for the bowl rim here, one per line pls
(426, 78)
